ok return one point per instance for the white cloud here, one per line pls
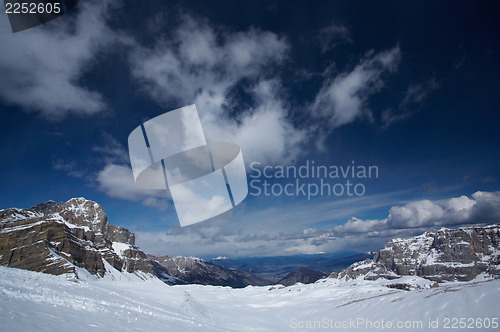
(117, 181)
(483, 207)
(486, 208)
(291, 230)
(197, 63)
(355, 225)
(415, 214)
(343, 99)
(192, 63)
(201, 66)
(115, 178)
(41, 66)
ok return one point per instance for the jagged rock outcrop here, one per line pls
(194, 270)
(446, 255)
(302, 275)
(57, 237)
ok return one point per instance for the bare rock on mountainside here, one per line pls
(302, 275)
(446, 255)
(57, 237)
(194, 270)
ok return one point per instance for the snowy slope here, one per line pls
(125, 302)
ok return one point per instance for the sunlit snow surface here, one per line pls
(31, 301)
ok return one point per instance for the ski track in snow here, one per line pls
(32, 301)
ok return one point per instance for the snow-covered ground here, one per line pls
(31, 301)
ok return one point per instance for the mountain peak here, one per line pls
(58, 237)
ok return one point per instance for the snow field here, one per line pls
(31, 301)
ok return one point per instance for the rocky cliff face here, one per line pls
(58, 237)
(302, 275)
(446, 255)
(194, 270)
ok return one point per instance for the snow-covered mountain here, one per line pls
(446, 255)
(57, 238)
(194, 270)
(61, 238)
(96, 278)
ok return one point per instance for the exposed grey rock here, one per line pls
(446, 255)
(57, 237)
(82, 212)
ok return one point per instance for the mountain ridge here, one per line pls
(199, 271)
(445, 255)
(57, 238)
(60, 238)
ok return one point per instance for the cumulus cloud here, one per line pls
(197, 61)
(252, 234)
(232, 77)
(41, 67)
(355, 225)
(117, 181)
(343, 98)
(203, 65)
(206, 65)
(481, 207)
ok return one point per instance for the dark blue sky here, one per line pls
(411, 87)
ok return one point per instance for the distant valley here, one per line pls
(276, 268)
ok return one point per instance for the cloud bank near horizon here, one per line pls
(247, 237)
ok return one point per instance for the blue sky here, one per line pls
(409, 87)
